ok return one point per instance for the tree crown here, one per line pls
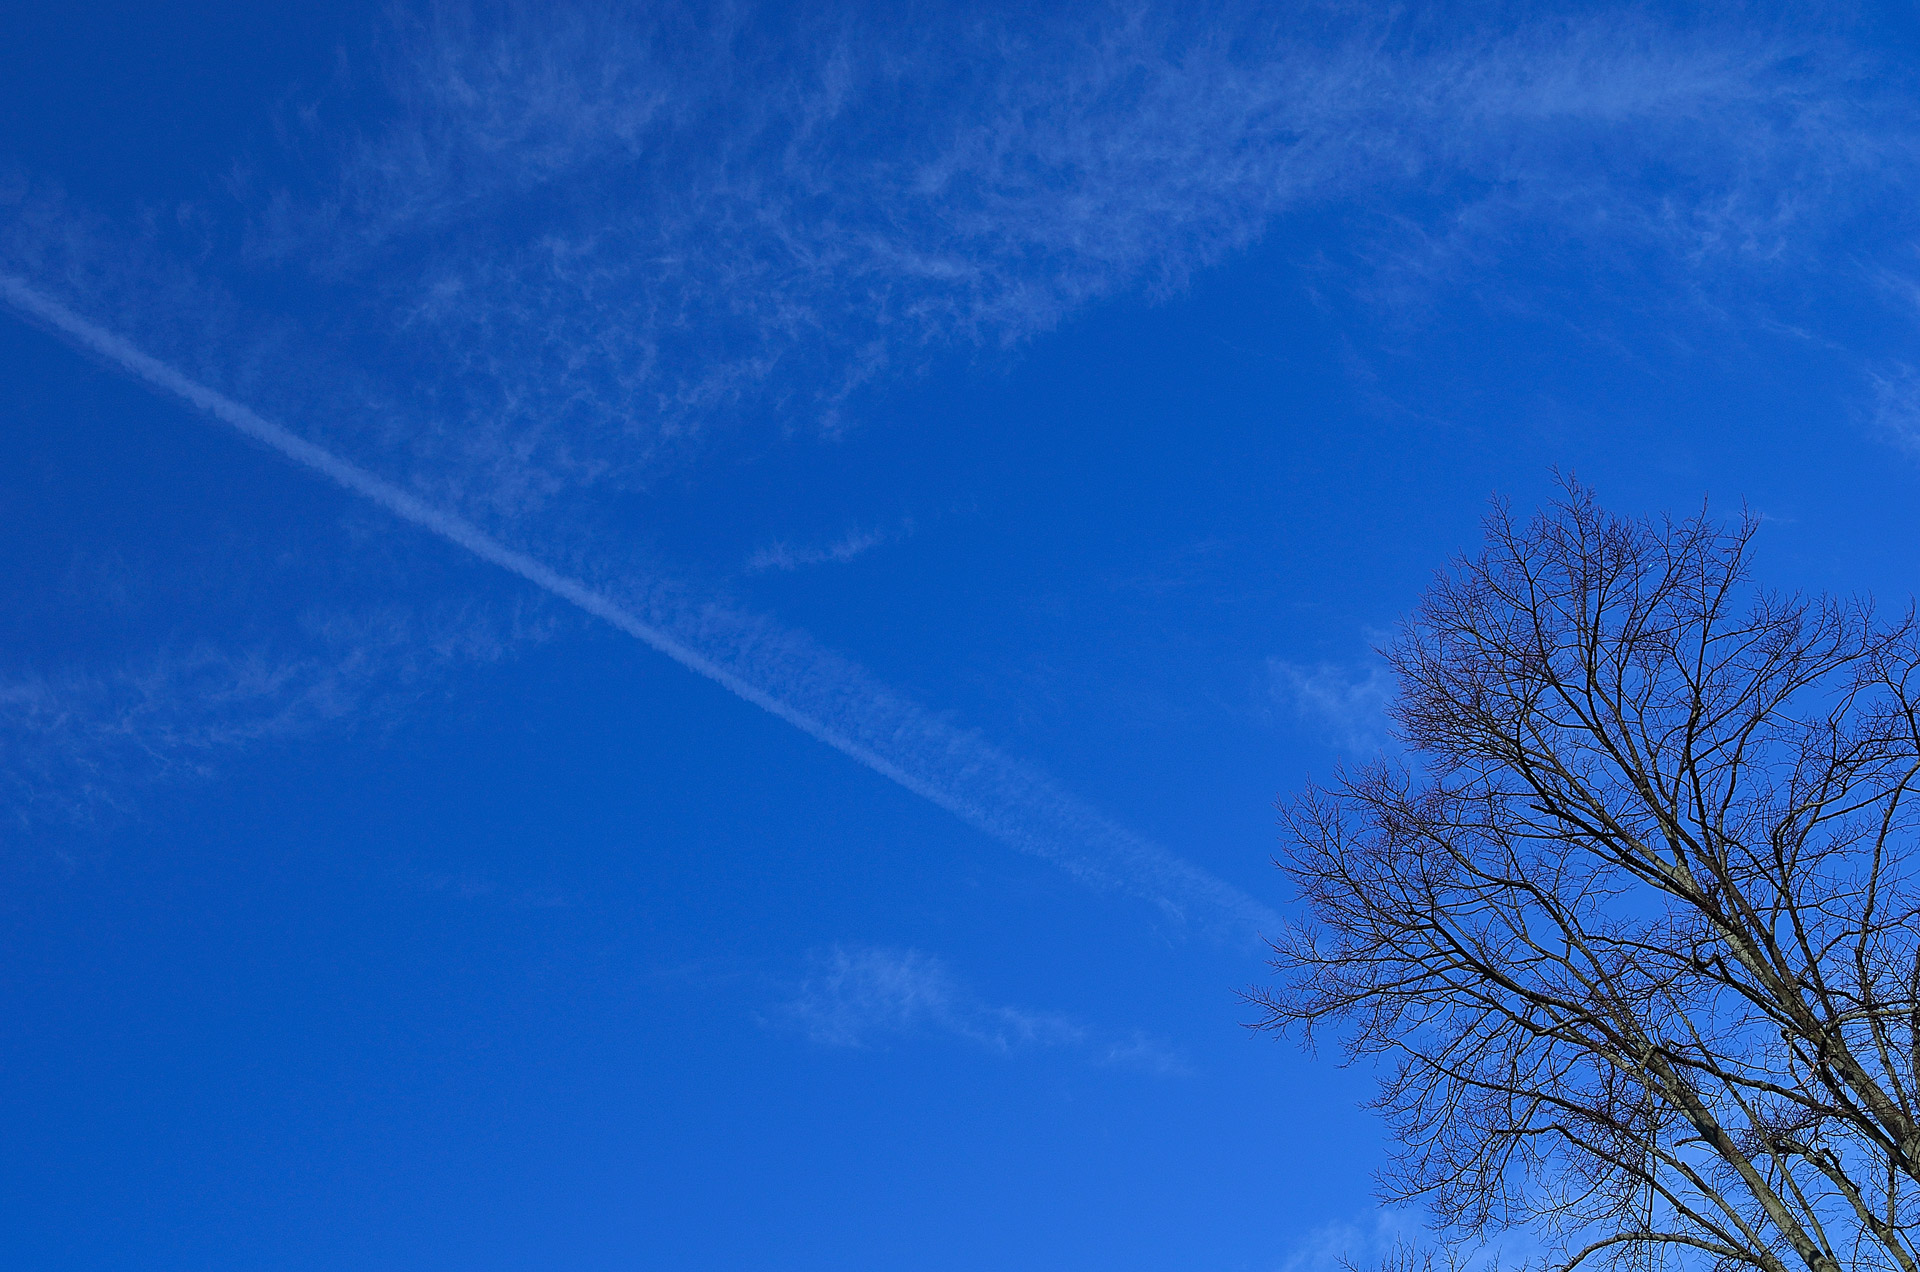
(1632, 929)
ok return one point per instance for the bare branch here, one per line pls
(1637, 944)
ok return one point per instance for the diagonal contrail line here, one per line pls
(449, 526)
(120, 352)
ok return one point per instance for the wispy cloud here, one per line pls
(854, 997)
(1393, 1239)
(866, 996)
(1344, 1245)
(1345, 706)
(79, 745)
(780, 672)
(583, 238)
(1896, 404)
(76, 746)
(598, 235)
(781, 555)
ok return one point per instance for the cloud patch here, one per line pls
(1393, 1239)
(598, 234)
(1344, 706)
(80, 745)
(783, 556)
(581, 238)
(868, 996)
(781, 672)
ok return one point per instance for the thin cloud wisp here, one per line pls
(999, 797)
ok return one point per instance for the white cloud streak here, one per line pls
(579, 238)
(786, 556)
(991, 793)
(600, 234)
(74, 746)
(582, 234)
(1347, 708)
(864, 995)
(1393, 1239)
(77, 745)
(855, 996)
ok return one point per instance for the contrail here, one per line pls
(1179, 883)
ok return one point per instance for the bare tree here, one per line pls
(1632, 930)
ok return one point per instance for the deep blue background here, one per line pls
(493, 962)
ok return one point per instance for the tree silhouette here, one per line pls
(1632, 930)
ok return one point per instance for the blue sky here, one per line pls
(665, 638)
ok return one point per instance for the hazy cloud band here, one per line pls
(1137, 867)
